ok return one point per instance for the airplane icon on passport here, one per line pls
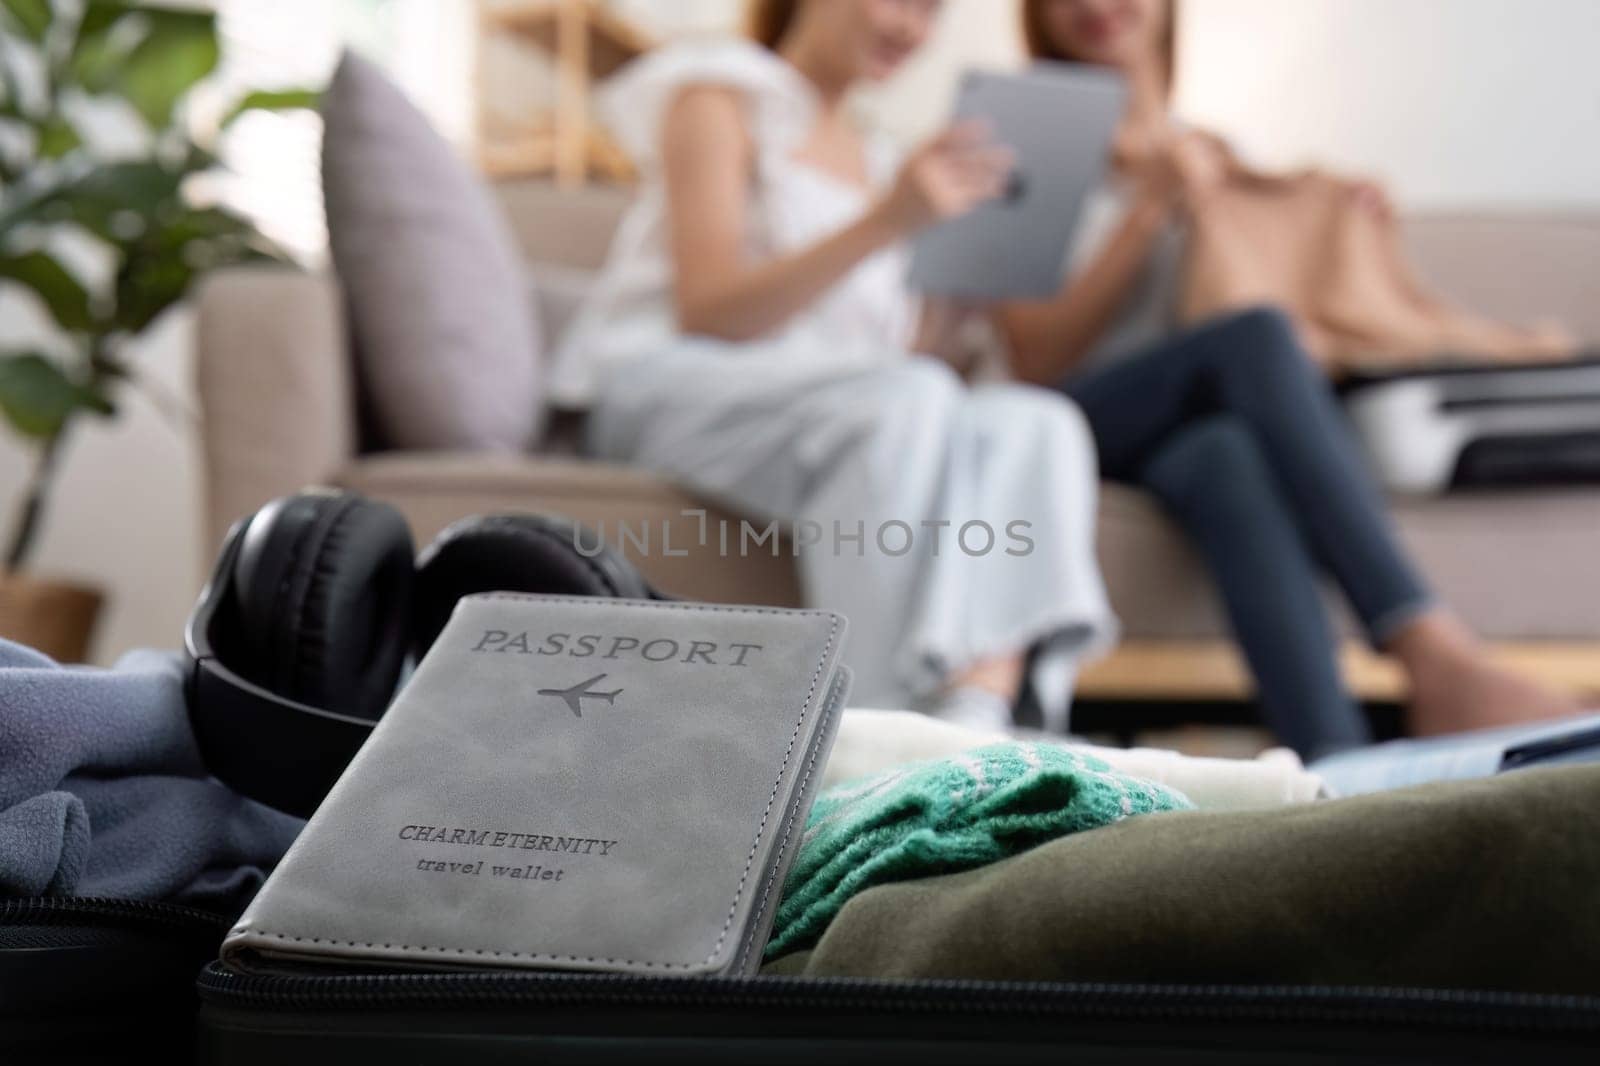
(583, 690)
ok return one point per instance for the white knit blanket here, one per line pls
(870, 741)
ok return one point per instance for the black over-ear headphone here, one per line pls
(300, 637)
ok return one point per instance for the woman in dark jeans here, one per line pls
(1231, 427)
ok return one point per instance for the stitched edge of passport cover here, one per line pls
(760, 921)
(245, 939)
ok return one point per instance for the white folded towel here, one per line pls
(870, 741)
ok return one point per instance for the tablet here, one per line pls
(1059, 119)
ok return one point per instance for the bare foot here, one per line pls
(1456, 687)
(1477, 694)
(1000, 674)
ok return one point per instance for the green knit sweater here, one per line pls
(945, 815)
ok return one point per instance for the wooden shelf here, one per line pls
(588, 43)
(534, 152)
(611, 40)
(1213, 670)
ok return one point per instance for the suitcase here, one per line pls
(1438, 429)
(319, 1015)
(87, 980)
(423, 1018)
(84, 980)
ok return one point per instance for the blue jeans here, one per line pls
(1236, 433)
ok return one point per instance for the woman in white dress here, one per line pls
(754, 340)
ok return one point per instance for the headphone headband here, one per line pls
(281, 752)
(288, 753)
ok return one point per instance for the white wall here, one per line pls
(126, 511)
(971, 33)
(1457, 103)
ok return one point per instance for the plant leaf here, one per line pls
(148, 284)
(155, 273)
(98, 17)
(62, 293)
(56, 138)
(103, 199)
(32, 17)
(197, 159)
(274, 100)
(158, 268)
(10, 94)
(179, 49)
(94, 399)
(97, 49)
(202, 223)
(35, 395)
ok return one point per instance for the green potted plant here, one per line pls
(58, 62)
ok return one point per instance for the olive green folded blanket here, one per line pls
(1490, 884)
(951, 814)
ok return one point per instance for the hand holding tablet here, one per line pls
(1056, 122)
(949, 175)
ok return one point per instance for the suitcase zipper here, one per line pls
(1444, 1009)
(66, 910)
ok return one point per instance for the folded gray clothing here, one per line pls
(103, 792)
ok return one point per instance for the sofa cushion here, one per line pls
(1514, 565)
(557, 292)
(1156, 584)
(1556, 257)
(555, 224)
(671, 536)
(1517, 565)
(446, 342)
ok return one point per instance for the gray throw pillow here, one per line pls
(447, 340)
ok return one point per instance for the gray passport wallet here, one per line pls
(574, 784)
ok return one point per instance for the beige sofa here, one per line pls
(279, 409)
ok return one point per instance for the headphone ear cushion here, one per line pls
(516, 553)
(325, 601)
